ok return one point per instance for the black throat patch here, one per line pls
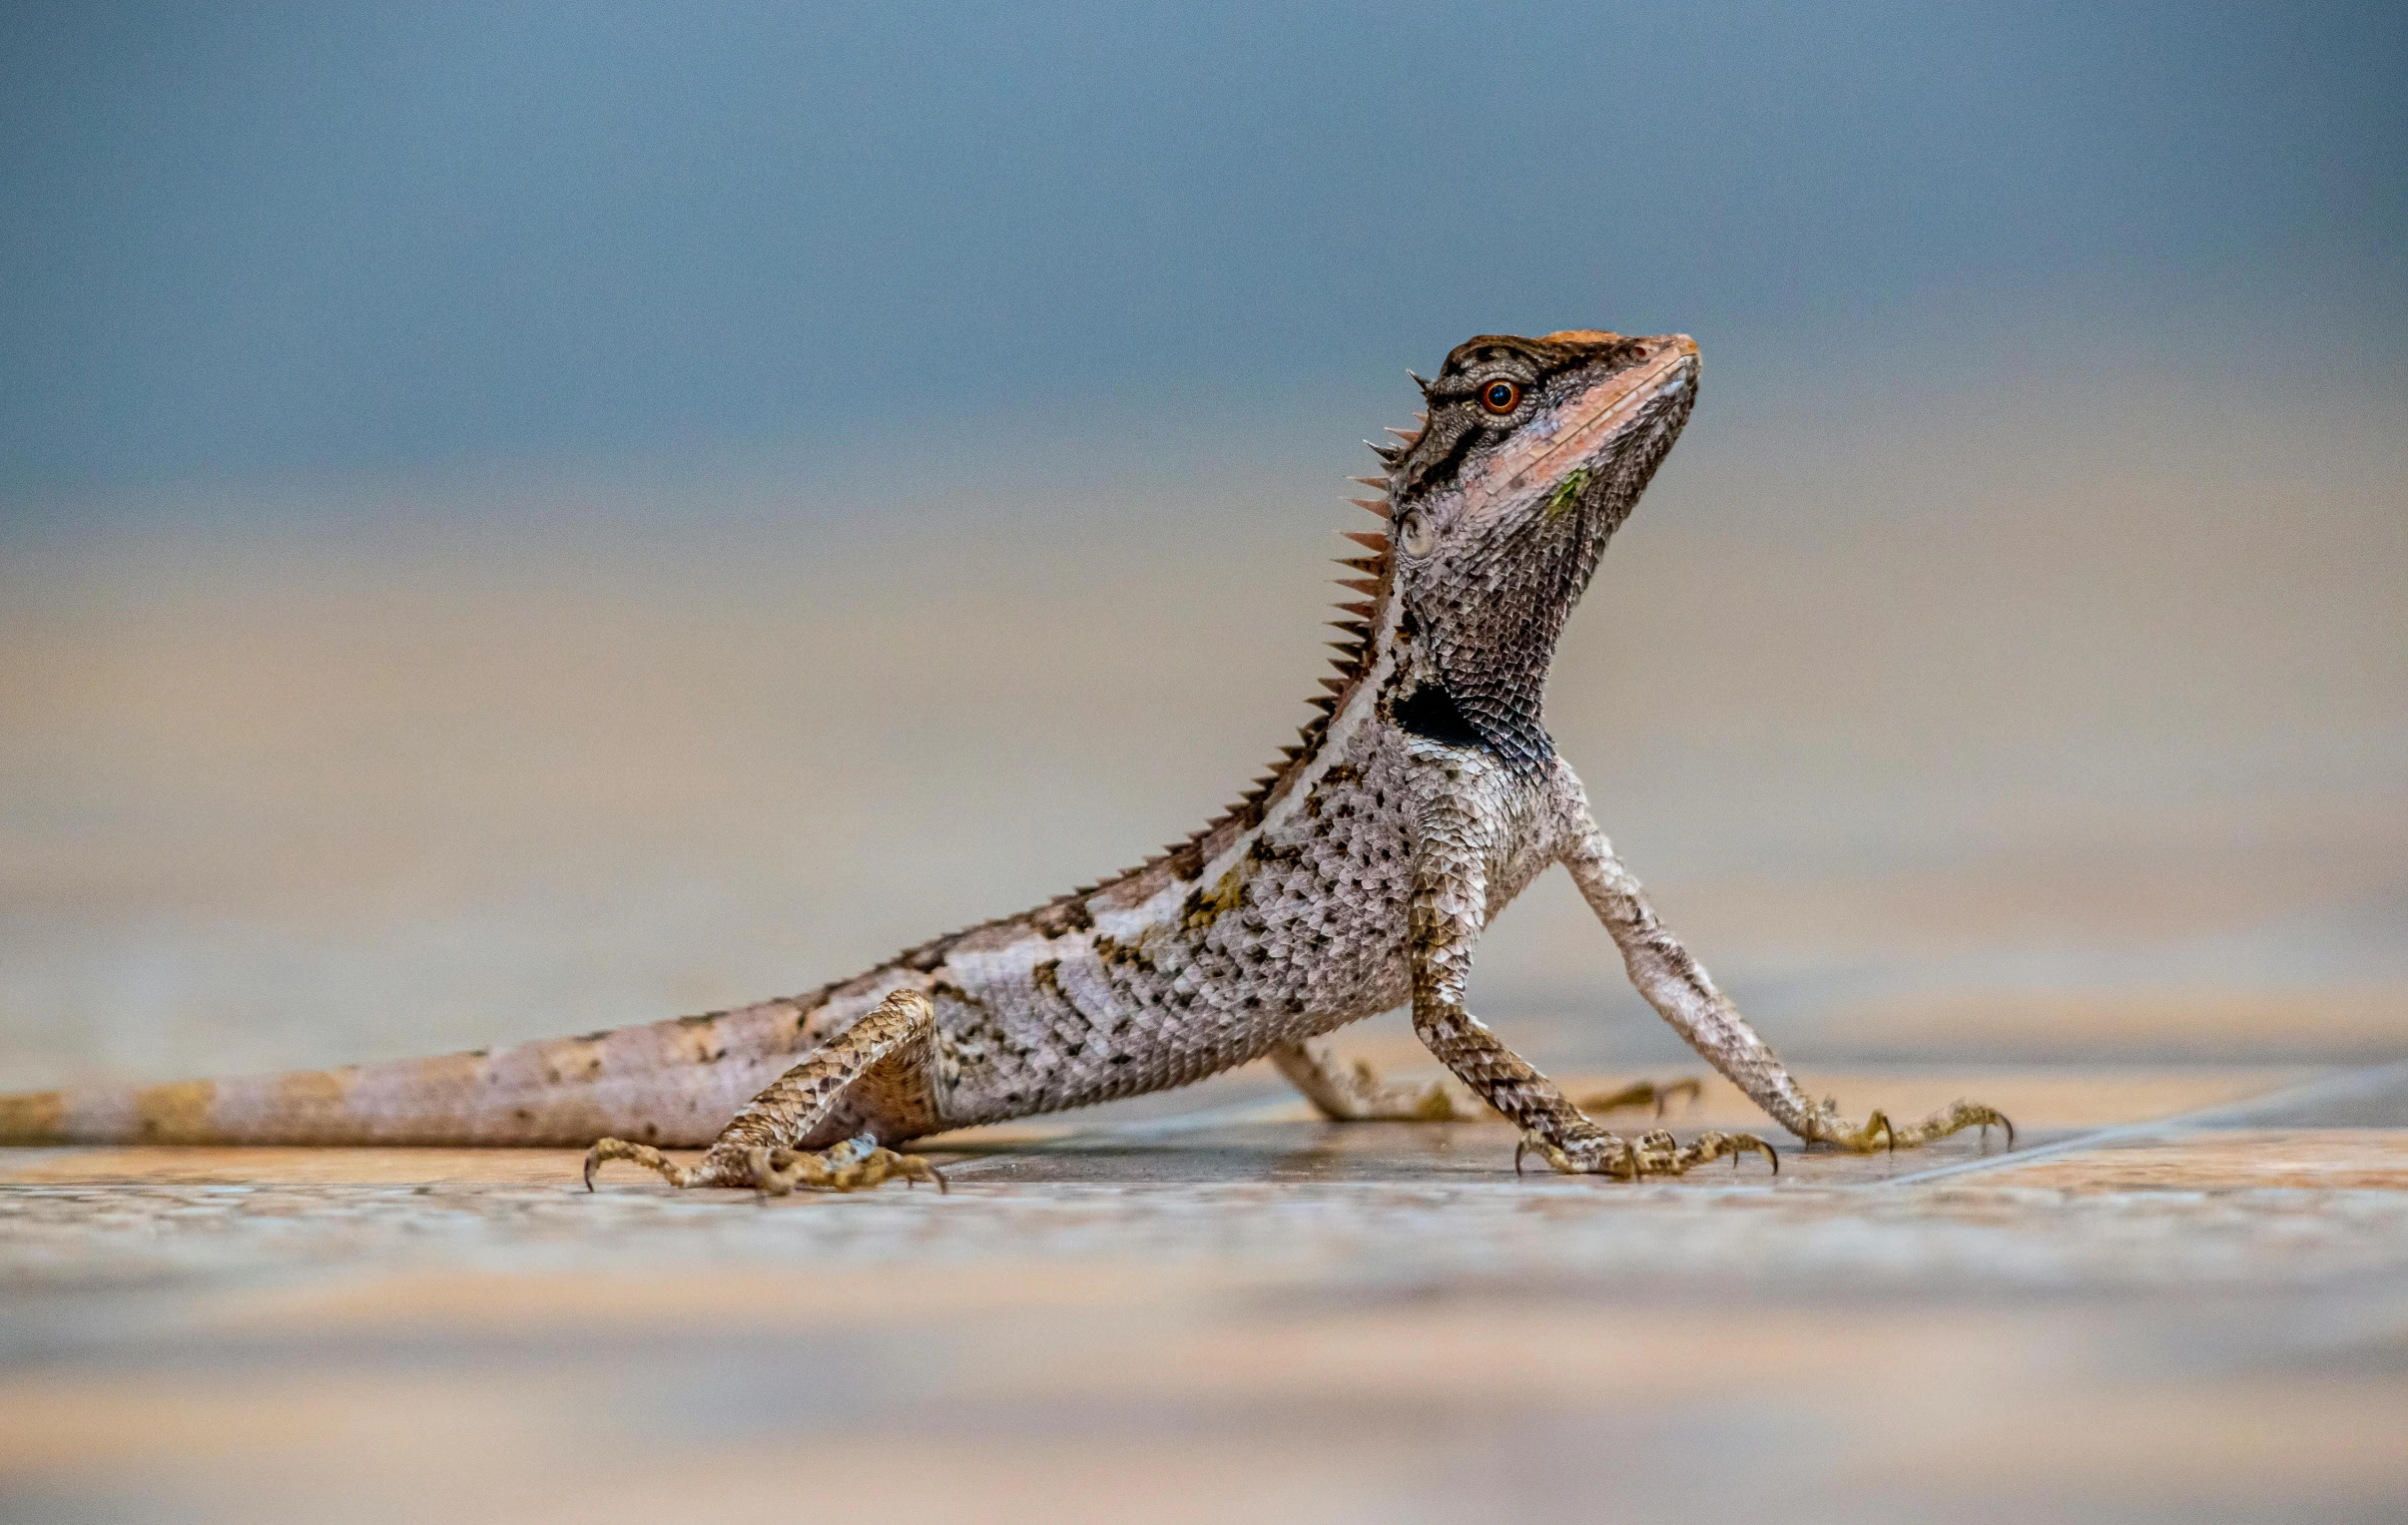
(1429, 712)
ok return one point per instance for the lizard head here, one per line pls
(1534, 451)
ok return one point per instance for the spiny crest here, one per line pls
(1406, 440)
(1352, 663)
(1354, 655)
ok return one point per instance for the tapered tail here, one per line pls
(673, 1082)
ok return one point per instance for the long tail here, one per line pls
(673, 1082)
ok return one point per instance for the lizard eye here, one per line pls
(1415, 535)
(1500, 398)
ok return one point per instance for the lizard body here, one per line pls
(1354, 878)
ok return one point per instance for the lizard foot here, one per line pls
(858, 1162)
(1644, 1092)
(1650, 1153)
(848, 1166)
(1877, 1131)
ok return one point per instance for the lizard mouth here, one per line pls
(1586, 429)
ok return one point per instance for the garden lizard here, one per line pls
(1356, 878)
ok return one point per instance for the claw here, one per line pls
(1711, 1146)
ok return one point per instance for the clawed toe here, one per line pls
(1975, 1115)
(1874, 1133)
(854, 1164)
(1877, 1131)
(1652, 1154)
(1716, 1146)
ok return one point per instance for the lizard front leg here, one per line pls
(1681, 990)
(1449, 912)
(889, 1058)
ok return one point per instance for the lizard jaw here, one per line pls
(1586, 429)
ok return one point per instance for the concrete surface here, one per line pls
(2153, 1308)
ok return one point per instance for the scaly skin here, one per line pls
(1356, 878)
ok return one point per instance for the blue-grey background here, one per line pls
(518, 517)
(250, 239)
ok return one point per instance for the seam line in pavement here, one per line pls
(2322, 1088)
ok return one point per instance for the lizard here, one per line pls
(1355, 877)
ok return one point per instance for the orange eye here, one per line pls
(1500, 398)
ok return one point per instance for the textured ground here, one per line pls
(2184, 1296)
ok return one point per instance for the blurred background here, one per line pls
(520, 519)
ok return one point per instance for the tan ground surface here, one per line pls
(2154, 1308)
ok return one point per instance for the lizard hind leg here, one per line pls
(1645, 1093)
(1359, 1096)
(890, 1058)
